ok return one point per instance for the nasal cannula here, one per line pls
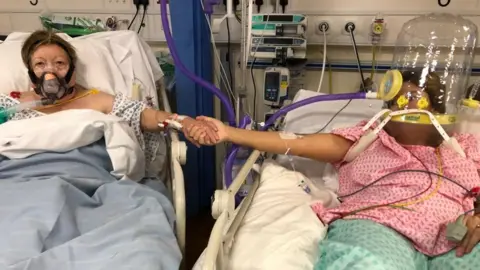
(5, 113)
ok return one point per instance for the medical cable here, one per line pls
(222, 77)
(330, 76)
(179, 64)
(443, 4)
(374, 60)
(142, 22)
(332, 118)
(234, 150)
(252, 65)
(468, 192)
(134, 16)
(284, 4)
(330, 79)
(254, 90)
(5, 113)
(351, 29)
(398, 203)
(229, 58)
(324, 31)
(223, 73)
(387, 175)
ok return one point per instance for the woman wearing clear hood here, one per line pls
(408, 181)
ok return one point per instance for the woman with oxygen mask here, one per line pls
(51, 64)
(407, 181)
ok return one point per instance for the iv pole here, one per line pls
(242, 89)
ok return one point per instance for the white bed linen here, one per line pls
(135, 59)
(68, 130)
(279, 231)
(109, 61)
(96, 67)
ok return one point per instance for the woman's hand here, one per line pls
(472, 237)
(205, 132)
(195, 132)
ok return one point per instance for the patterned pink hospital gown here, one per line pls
(425, 223)
(123, 107)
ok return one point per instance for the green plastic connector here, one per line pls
(3, 116)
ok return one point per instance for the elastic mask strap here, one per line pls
(69, 74)
(375, 119)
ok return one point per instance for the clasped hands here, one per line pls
(204, 131)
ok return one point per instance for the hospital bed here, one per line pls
(274, 227)
(117, 62)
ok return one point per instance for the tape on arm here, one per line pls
(289, 136)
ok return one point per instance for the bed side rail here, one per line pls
(228, 218)
(178, 157)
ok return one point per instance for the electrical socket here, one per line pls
(352, 24)
(323, 24)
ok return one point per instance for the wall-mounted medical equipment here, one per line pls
(277, 80)
(72, 25)
(277, 25)
(279, 48)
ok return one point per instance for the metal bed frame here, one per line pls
(228, 217)
(177, 156)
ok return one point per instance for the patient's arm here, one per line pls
(321, 147)
(151, 118)
(135, 111)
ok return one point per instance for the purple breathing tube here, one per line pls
(178, 63)
(188, 73)
(230, 113)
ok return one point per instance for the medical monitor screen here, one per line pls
(277, 18)
(272, 86)
(278, 41)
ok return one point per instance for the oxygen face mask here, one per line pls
(52, 87)
(49, 84)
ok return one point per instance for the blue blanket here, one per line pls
(65, 211)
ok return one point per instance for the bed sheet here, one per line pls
(279, 231)
(66, 211)
(70, 197)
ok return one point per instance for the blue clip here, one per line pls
(304, 186)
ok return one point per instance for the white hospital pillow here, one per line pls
(95, 68)
(136, 60)
(312, 118)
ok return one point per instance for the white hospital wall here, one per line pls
(337, 13)
(342, 81)
(20, 15)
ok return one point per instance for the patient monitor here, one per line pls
(276, 84)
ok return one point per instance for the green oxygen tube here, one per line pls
(7, 113)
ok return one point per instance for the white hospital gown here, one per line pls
(153, 144)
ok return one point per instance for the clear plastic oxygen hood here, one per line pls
(434, 54)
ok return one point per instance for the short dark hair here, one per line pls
(469, 92)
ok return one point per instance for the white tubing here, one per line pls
(324, 59)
